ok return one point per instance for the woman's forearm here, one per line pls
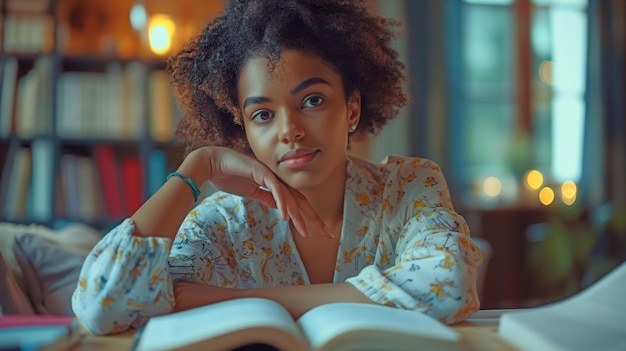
(229, 171)
(162, 214)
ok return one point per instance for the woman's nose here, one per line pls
(290, 128)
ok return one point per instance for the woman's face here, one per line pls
(296, 117)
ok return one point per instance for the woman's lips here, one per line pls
(295, 159)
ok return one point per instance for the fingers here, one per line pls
(294, 206)
(264, 197)
(278, 190)
(298, 222)
(245, 176)
(303, 216)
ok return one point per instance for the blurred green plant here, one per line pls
(563, 253)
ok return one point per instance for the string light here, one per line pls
(492, 186)
(534, 179)
(546, 196)
(160, 32)
(568, 192)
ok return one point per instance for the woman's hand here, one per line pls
(242, 175)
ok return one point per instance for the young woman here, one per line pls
(273, 91)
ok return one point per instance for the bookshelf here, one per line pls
(86, 113)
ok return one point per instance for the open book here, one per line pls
(242, 323)
(593, 319)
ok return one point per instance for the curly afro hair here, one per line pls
(204, 73)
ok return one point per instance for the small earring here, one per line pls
(353, 127)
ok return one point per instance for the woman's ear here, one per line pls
(354, 110)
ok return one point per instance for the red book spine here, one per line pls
(110, 176)
(132, 175)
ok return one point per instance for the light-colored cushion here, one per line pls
(8, 233)
(50, 273)
(12, 299)
(45, 263)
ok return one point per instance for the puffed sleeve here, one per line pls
(202, 251)
(123, 281)
(126, 279)
(436, 262)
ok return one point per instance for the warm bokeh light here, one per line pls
(492, 186)
(569, 192)
(568, 200)
(545, 72)
(546, 196)
(160, 32)
(534, 179)
(568, 188)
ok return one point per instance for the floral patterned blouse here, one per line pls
(401, 245)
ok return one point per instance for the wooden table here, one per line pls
(478, 333)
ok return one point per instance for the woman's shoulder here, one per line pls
(397, 182)
(406, 176)
(410, 176)
(393, 166)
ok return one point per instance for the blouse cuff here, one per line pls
(380, 289)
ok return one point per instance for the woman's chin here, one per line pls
(300, 182)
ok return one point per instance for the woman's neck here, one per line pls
(327, 198)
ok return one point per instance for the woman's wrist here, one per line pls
(197, 165)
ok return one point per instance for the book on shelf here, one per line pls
(42, 181)
(71, 191)
(28, 6)
(39, 332)
(27, 32)
(91, 199)
(82, 193)
(33, 115)
(18, 184)
(593, 319)
(110, 176)
(161, 119)
(7, 172)
(255, 322)
(157, 171)
(8, 96)
(134, 97)
(106, 104)
(132, 182)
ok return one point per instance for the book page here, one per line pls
(359, 326)
(593, 319)
(229, 324)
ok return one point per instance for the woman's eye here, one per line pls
(313, 101)
(261, 116)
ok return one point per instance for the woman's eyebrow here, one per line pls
(255, 100)
(307, 83)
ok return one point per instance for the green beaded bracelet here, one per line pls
(194, 187)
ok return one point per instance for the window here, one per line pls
(522, 97)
